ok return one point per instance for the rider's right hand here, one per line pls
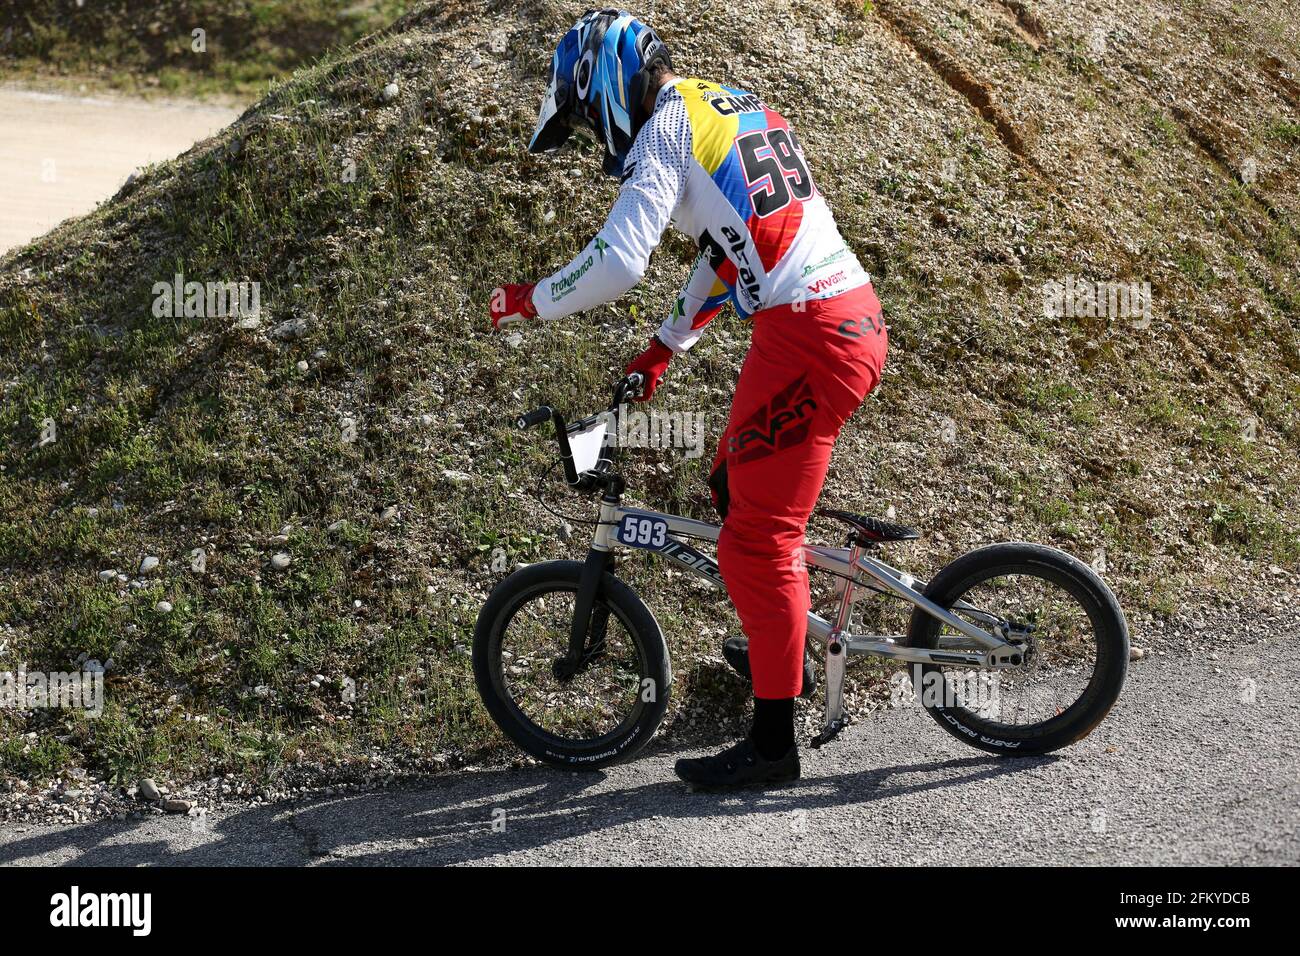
(652, 363)
(511, 303)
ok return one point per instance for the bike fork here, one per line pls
(587, 618)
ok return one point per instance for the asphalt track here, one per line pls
(1197, 764)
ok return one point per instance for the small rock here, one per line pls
(459, 477)
(108, 575)
(303, 367)
(280, 561)
(337, 526)
(389, 93)
(148, 790)
(149, 565)
(290, 329)
(163, 607)
(177, 806)
(1137, 653)
(389, 515)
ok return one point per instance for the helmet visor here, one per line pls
(554, 117)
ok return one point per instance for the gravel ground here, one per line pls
(1197, 764)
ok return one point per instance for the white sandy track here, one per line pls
(60, 155)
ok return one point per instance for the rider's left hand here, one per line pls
(511, 303)
(652, 363)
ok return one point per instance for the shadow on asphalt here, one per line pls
(455, 817)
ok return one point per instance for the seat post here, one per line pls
(846, 599)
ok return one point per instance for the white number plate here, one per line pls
(587, 446)
(637, 531)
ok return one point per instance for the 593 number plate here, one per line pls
(637, 531)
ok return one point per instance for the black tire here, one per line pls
(1109, 632)
(650, 660)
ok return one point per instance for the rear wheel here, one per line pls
(1075, 649)
(603, 713)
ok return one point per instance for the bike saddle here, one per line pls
(871, 530)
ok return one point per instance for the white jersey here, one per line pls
(730, 173)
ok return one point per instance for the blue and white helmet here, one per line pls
(599, 77)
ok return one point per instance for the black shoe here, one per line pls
(736, 652)
(740, 765)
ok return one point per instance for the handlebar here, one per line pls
(536, 417)
(628, 386)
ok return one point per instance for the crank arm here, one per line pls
(836, 653)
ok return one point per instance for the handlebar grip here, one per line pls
(536, 417)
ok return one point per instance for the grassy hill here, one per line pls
(146, 46)
(972, 151)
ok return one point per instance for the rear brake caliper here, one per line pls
(1020, 648)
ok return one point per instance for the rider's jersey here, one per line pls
(729, 172)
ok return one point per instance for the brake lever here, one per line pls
(629, 386)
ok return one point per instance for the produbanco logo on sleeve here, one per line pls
(567, 283)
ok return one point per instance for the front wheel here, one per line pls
(1075, 649)
(603, 712)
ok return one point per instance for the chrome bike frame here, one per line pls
(624, 527)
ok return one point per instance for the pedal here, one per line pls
(829, 733)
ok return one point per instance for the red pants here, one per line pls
(805, 374)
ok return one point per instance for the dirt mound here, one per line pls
(989, 170)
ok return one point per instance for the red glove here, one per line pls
(652, 363)
(511, 303)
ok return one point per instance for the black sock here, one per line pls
(773, 730)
